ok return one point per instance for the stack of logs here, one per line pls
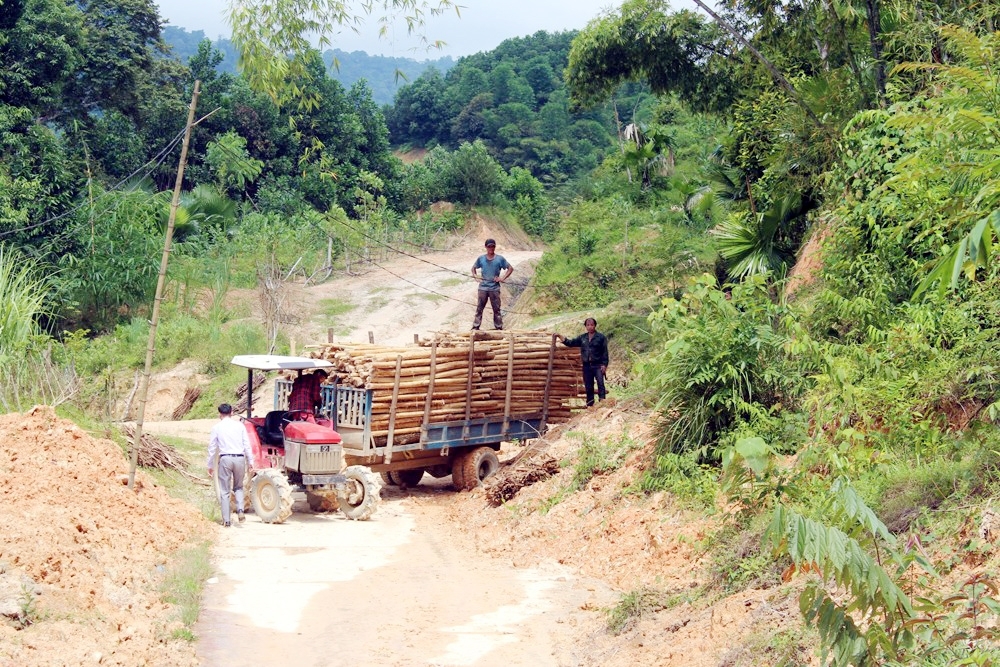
(452, 377)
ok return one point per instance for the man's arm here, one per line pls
(572, 342)
(510, 270)
(213, 449)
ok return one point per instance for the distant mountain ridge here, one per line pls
(385, 74)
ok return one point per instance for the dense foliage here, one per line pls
(513, 99)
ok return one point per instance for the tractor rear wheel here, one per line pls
(271, 496)
(361, 496)
(407, 478)
(387, 479)
(477, 465)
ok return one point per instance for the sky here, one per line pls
(482, 26)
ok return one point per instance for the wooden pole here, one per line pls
(510, 380)
(160, 283)
(548, 381)
(430, 383)
(392, 413)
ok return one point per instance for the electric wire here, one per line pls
(152, 164)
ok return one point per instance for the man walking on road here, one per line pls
(594, 357)
(230, 443)
(490, 267)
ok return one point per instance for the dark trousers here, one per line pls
(592, 372)
(494, 298)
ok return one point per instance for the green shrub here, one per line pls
(720, 360)
(682, 476)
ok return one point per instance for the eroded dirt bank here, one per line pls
(81, 555)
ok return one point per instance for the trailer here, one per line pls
(466, 448)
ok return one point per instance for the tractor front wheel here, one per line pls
(271, 496)
(361, 493)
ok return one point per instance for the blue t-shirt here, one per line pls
(490, 270)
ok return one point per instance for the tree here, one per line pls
(275, 36)
(473, 176)
(671, 52)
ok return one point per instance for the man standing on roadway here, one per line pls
(230, 443)
(490, 266)
(594, 357)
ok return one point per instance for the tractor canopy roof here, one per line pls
(274, 362)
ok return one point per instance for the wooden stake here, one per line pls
(392, 413)
(160, 283)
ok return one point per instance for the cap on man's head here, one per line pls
(225, 409)
(490, 242)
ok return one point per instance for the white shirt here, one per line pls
(229, 436)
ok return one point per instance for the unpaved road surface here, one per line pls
(406, 588)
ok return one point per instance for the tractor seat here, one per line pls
(273, 423)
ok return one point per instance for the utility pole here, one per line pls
(160, 282)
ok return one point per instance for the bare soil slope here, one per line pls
(81, 555)
(631, 543)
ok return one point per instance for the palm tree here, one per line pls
(748, 241)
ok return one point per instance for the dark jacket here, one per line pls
(593, 351)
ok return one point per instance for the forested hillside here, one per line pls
(783, 214)
(384, 75)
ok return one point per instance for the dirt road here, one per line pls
(406, 588)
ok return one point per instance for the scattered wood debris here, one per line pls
(154, 453)
(504, 485)
(241, 391)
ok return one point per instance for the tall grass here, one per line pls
(27, 374)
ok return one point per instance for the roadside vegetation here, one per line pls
(791, 247)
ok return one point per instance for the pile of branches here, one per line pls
(154, 453)
(504, 485)
(190, 396)
(242, 393)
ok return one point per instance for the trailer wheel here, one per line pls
(387, 479)
(271, 496)
(477, 465)
(361, 493)
(407, 478)
(457, 474)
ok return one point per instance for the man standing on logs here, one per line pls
(594, 357)
(490, 266)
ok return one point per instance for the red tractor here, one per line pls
(301, 448)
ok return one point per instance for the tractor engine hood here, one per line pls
(311, 434)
